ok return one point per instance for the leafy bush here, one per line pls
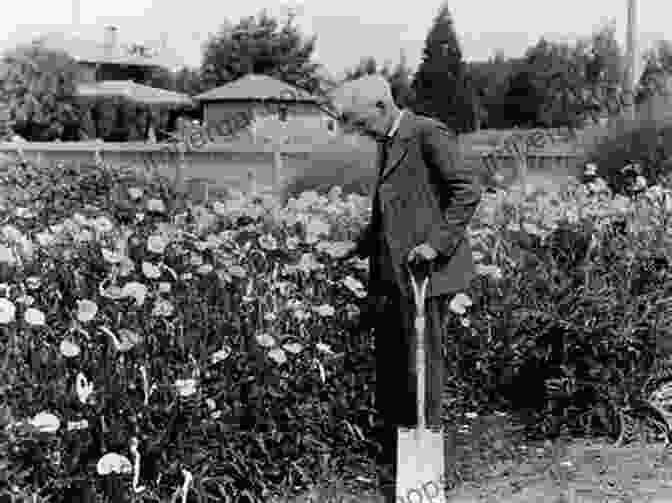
(647, 143)
(578, 308)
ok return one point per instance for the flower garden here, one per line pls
(156, 349)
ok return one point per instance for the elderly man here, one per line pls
(422, 202)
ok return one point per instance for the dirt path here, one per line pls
(493, 463)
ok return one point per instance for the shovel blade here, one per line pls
(420, 466)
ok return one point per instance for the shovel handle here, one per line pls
(419, 296)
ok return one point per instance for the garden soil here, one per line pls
(490, 461)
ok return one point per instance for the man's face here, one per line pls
(368, 120)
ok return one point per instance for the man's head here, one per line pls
(366, 105)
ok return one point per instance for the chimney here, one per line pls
(110, 39)
(76, 14)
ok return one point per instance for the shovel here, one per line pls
(420, 451)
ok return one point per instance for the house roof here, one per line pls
(88, 51)
(137, 93)
(258, 87)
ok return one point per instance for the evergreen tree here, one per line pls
(439, 84)
(260, 45)
(366, 66)
(401, 79)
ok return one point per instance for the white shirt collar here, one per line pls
(395, 125)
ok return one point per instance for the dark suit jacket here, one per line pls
(425, 194)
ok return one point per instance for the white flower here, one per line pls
(114, 463)
(135, 193)
(590, 169)
(205, 269)
(78, 425)
(6, 255)
(7, 311)
(316, 227)
(221, 355)
(489, 270)
(46, 422)
(293, 347)
(69, 349)
(338, 249)
(157, 244)
(12, 234)
(34, 317)
(268, 242)
(324, 348)
(162, 308)
(301, 315)
(325, 310)
(136, 290)
(45, 239)
(459, 303)
(103, 225)
(185, 387)
(265, 340)
(26, 300)
(277, 355)
(355, 286)
(83, 388)
(156, 205)
(219, 208)
(33, 282)
(292, 242)
(126, 341)
(86, 310)
(112, 256)
(150, 270)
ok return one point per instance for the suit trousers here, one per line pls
(394, 336)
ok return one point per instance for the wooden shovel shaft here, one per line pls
(419, 294)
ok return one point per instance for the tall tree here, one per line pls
(260, 45)
(491, 80)
(188, 81)
(523, 101)
(439, 84)
(39, 88)
(366, 66)
(401, 80)
(657, 68)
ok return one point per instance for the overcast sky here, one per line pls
(346, 29)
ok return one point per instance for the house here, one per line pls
(277, 108)
(109, 60)
(108, 69)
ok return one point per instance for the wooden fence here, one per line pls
(240, 165)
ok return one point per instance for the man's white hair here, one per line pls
(361, 93)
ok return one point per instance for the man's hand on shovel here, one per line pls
(423, 252)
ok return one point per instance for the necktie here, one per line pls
(384, 147)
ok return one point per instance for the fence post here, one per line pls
(277, 169)
(180, 168)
